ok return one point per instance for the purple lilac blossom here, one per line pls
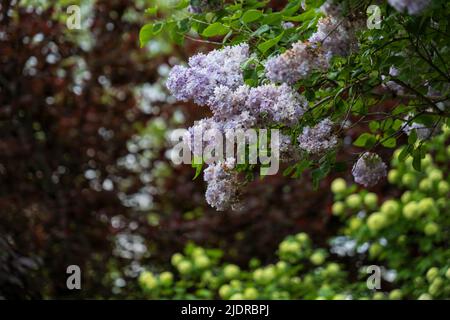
(319, 139)
(413, 7)
(369, 169)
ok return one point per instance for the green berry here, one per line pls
(332, 269)
(390, 208)
(443, 188)
(338, 186)
(250, 293)
(393, 176)
(427, 206)
(231, 271)
(184, 267)
(176, 258)
(395, 294)
(338, 208)
(370, 200)
(431, 229)
(425, 296)
(147, 280)
(426, 185)
(237, 296)
(202, 261)
(447, 274)
(318, 257)
(409, 180)
(406, 197)
(432, 273)
(435, 175)
(375, 250)
(225, 291)
(354, 201)
(376, 221)
(302, 237)
(166, 278)
(378, 296)
(411, 211)
(355, 223)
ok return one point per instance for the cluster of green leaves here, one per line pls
(407, 236)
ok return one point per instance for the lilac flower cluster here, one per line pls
(216, 80)
(319, 139)
(200, 6)
(295, 64)
(205, 72)
(222, 185)
(369, 169)
(413, 7)
(422, 131)
(335, 35)
(392, 85)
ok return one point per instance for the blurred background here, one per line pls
(85, 177)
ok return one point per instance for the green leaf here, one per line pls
(152, 10)
(264, 28)
(251, 16)
(145, 34)
(182, 4)
(215, 29)
(374, 126)
(365, 140)
(417, 156)
(198, 170)
(266, 45)
(412, 137)
(390, 143)
(292, 8)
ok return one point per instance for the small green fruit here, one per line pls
(391, 209)
(147, 280)
(409, 180)
(318, 257)
(435, 175)
(376, 221)
(425, 296)
(393, 176)
(355, 223)
(166, 278)
(338, 186)
(225, 291)
(184, 267)
(302, 238)
(250, 293)
(237, 296)
(395, 294)
(411, 211)
(176, 258)
(431, 229)
(427, 206)
(338, 208)
(202, 262)
(231, 271)
(354, 201)
(426, 185)
(375, 250)
(443, 188)
(406, 197)
(432, 273)
(332, 269)
(370, 200)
